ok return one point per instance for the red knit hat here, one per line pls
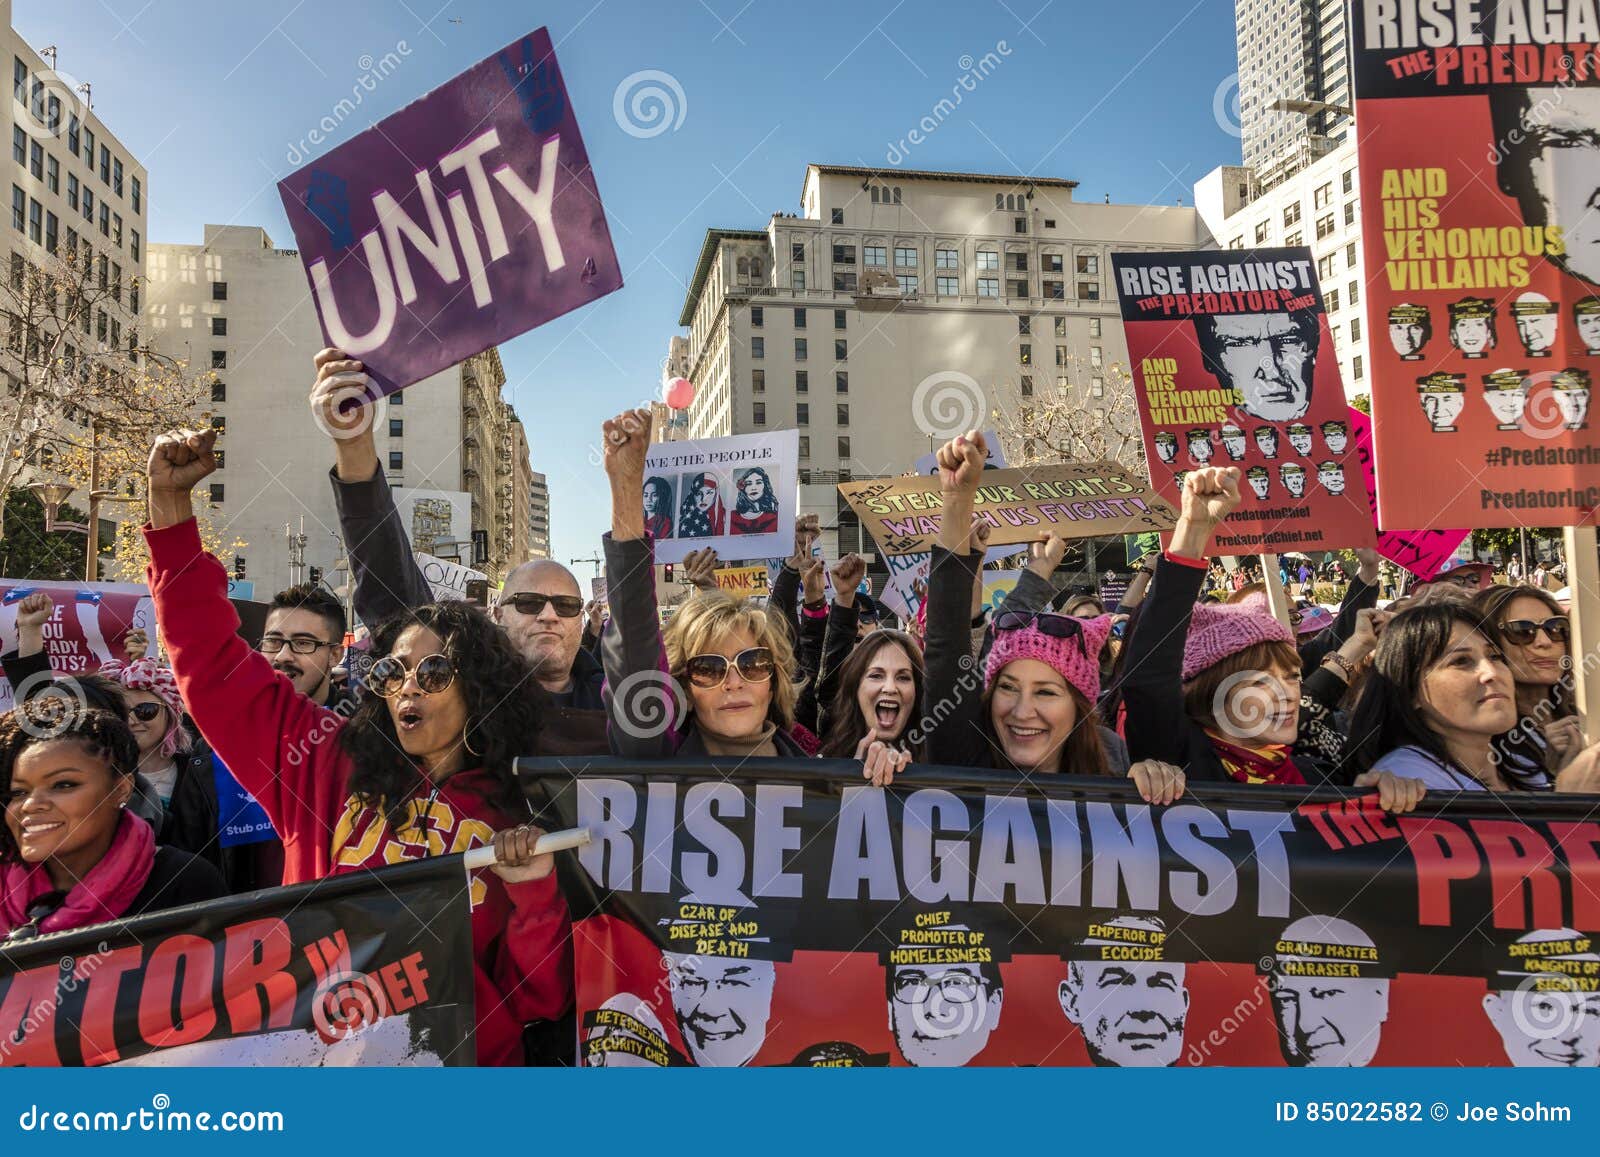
(1075, 659)
(1215, 632)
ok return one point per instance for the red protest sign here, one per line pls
(1422, 552)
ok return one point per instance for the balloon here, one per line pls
(680, 393)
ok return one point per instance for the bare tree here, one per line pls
(1071, 423)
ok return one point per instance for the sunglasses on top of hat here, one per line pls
(754, 664)
(1056, 626)
(1524, 631)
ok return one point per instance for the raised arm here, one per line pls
(641, 699)
(952, 696)
(1360, 594)
(384, 569)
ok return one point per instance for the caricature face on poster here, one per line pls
(1330, 997)
(1126, 998)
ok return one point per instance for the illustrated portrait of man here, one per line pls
(1572, 397)
(1535, 318)
(1410, 327)
(1293, 477)
(1330, 994)
(1443, 397)
(1126, 998)
(1331, 476)
(1269, 360)
(1505, 392)
(1299, 437)
(722, 990)
(1549, 161)
(1166, 446)
(1472, 326)
(1267, 441)
(1260, 480)
(1199, 446)
(624, 1033)
(944, 990)
(1234, 442)
(1586, 320)
(1543, 1002)
(1336, 436)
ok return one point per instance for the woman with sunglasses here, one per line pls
(71, 853)
(1536, 636)
(1041, 675)
(423, 767)
(718, 681)
(1217, 689)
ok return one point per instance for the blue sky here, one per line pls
(213, 96)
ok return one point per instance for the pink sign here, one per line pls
(466, 218)
(87, 628)
(1422, 552)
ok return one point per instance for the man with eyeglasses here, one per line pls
(540, 605)
(944, 991)
(304, 638)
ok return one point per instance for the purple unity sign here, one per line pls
(462, 220)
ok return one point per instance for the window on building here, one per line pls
(1325, 266)
(799, 319)
(805, 445)
(397, 399)
(105, 165)
(397, 459)
(1261, 233)
(72, 190)
(842, 413)
(841, 349)
(52, 226)
(1095, 356)
(1237, 242)
(52, 169)
(397, 427)
(836, 216)
(219, 327)
(799, 349)
(802, 414)
(908, 283)
(1017, 288)
(1325, 226)
(36, 160)
(19, 208)
(1355, 329)
(1350, 212)
(105, 219)
(217, 490)
(1088, 263)
(1094, 327)
(1348, 181)
(219, 391)
(1025, 385)
(88, 147)
(946, 259)
(1019, 225)
(1089, 290)
(1024, 323)
(1354, 289)
(1019, 262)
(905, 257)
(844, 447)
(35, 222)
(1356, 369)
(1025, 354)
(844, 282)
(1049, 222)
(758, 381)
(844, 254)
(137, 197)
(757, 316)
(1054, 290)
(116, 176)
(1294, 239)
(1097, 387)
(838, 319)
(758, 412)
(841, 382)
(797, 252)
(947, 286)
(988, 259)
(802, 381)
(1052, 262)
(222, 458)
(1332, 301)
(988, 287)
(1323, 197)
(1291, 215)
(758, 347)
(219, 359)
(219, 423)
(875, 255)
(797, 280)
(19, 145)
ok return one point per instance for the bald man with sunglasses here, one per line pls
(540, 606)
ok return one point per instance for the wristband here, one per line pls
(1342, 663)
(819, 611)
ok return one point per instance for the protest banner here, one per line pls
(1478, 182)
(447, 579)
(908, 582)
(742, 581)
(1422, 552)
(1076, 500)
(356, 969)
(88, 627)
(964, 917)
(735, 495)
(597, 588)
(464, 219)
(1234, 366)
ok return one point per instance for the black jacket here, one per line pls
(177, 878)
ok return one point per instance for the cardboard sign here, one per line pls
(994, 459)
(466, 218)
(1074, 500)
(447, 580)
(1422, 552)
(1478, 187)
(597, 588)
(736, 495)
(1234, 366)
(742, 581)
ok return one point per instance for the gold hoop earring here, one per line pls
(467, 743)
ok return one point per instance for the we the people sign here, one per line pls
(462, 220)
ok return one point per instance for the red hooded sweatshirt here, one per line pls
(284, 749)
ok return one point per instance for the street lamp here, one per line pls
(52, 495)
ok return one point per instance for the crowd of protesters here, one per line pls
(110, 779)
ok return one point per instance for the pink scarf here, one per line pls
(101, 896)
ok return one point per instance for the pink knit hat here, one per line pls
(1076, 659)
(1215, 632)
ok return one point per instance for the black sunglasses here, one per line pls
(145, 712)
(1056, 626)
(755, 665)
(530, 603)
(388, 675)
(1524, 631)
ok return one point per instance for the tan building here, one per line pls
(238, 304)
(494, 466)
(894, 289)
(538, 515)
